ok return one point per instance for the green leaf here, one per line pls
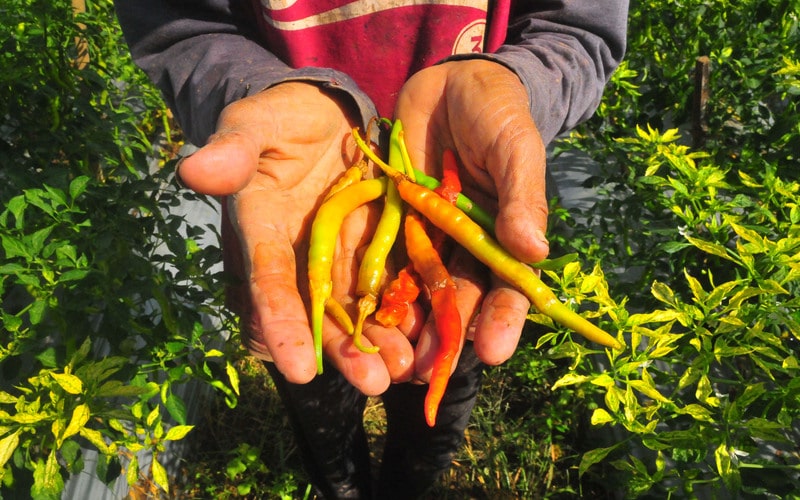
(557, 263)
(36, 311)
(115, 388)
(14, 247)
(176, 408)
(750, 394)
(768, 430)
(594, 456)
(68, 382)
(78, 186)
(47, 481)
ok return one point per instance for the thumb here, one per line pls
(222, 167)
(523, 205)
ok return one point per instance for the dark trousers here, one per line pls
(327, 417)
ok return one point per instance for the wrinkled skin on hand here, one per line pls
(276, 153)
(480, 110)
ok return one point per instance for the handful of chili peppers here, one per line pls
(428, 211)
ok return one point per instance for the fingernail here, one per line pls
(178, 164)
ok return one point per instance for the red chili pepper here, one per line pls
(428, 264)
(450, 187)
(397, 298)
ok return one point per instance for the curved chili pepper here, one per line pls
(373, 263)
(324, 231)
(428, 264)
(352, 175)
(486, 249)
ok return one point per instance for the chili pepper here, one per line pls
(373, 263)
(428, 264)
(324, 231)
(450, 187)
(472, 209)
(352, 175)
(486, 249)
(397, 298)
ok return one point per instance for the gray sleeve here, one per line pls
(202, 55)
(564, 52)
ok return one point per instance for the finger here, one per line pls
(498, 326)
(280, 312)
(224, 166)
(519, 174)
(366, 371)
(395, 351)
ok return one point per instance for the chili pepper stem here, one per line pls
(366, 306)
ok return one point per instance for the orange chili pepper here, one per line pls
(486, 249)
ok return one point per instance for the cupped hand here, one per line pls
(480, 110)
(275, 154)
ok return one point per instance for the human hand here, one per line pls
(480, 110)
(276, 153)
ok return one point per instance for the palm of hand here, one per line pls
(283, 148)
(480, 110)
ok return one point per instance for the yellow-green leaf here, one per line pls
(570, 379)
(159, 475)
(600, 417)
(233, 376)
(7, 446)
(151, 418)
(68, 382)
(648, 390)
(178, 432)
(96, 438)
(697, 412)
(132, 473)
(80, 415)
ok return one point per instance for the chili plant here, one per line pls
(105, 292)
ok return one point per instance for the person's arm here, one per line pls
(564, 52)
(202, 56)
